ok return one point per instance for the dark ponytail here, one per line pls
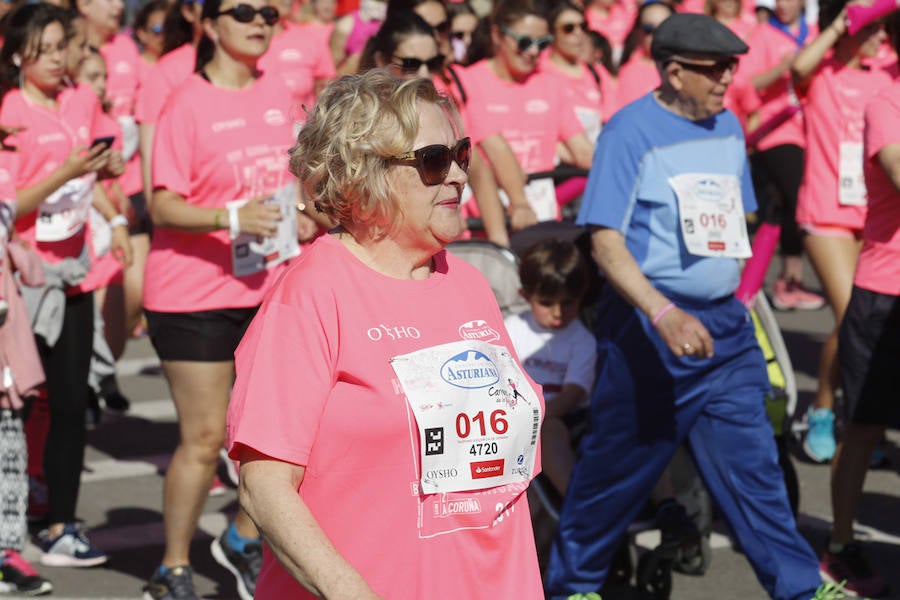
(206, 48)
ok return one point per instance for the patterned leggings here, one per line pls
(13, 481)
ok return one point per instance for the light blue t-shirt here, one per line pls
(640, 148)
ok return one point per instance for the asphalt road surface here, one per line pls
(127, 455)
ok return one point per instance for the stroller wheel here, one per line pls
(654, 577)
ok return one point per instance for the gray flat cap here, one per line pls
(685, 33)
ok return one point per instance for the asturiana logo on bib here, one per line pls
(470, 369)
(478, 330)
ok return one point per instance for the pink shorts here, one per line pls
(834, 231)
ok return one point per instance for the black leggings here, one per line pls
(66, 367)
(781, 166)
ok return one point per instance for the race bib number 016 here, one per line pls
(711, 213)
(477, 417)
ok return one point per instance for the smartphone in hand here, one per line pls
(106, 142)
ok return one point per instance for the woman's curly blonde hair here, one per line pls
(343, 150)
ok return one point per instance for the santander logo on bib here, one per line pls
(478, 330)
(470, 370)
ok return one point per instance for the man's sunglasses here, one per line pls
(244, 13)
(411, 66)
(714, 71)
(569, 28)
(433, 162)
(525, 42)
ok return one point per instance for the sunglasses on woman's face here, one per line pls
(156, 29)
(244, 13)
(411, 66)
(569, 28)
(433, 162)
(443, 27)
(525, 42)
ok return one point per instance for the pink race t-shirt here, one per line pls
(164, 77)
(743, 26)
(44, 145)
(212, 146)
(315, 387)
(768, 46)
(878, 268)
(532, 115)
(637, 77)
(585, 92)
(124, 66)
(834, 112)
(299, 58)
(614, 25)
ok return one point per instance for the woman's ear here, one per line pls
(210, 30)
(378, 57)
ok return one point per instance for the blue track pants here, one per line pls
(646, 402)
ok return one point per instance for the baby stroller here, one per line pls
(649, 571)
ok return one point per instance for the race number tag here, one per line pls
(65, 211)
(541, 195)
(851, 183)
(477, 417)
(711, 214)
(591, 121)
(251, 254)
(101, 233)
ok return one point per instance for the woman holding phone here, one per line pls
(223, 214)
(55, 171)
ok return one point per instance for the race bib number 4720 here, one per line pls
(477, 417)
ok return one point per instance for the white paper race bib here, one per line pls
(591, 121)
(711, 214)
(541, 195)
(101, 233)
(477, 417)
(65, 211)
(851, 183)
(251, 254)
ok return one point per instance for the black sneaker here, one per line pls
(17, 576)
(680, 538)
(850, 567)
(113, 399)
(176, 583)
(244, 565)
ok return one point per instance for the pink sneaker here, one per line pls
(791, 295)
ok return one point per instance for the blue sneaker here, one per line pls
(819, 444)
(69, 549)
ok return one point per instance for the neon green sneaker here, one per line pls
(830, 591)
(588, 596)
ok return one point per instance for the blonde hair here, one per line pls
(343, 151)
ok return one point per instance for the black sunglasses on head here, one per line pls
(433, 162)
(244, 13)
(525, 42)
(411, 66)
(568, 28)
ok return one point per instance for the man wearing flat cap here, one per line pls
(678, 359)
